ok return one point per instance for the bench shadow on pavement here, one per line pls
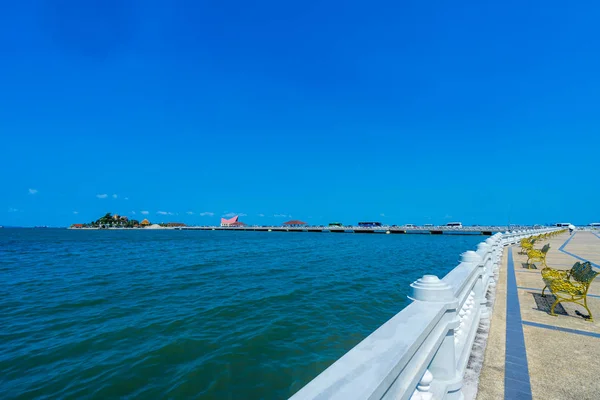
(528, 266)
(545, 303)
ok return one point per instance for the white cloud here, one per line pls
(133, 213)
(447, 216)
(190, 213)
(281, 215)
(164, 213)
(382, 215)
(75, 212)
(207, 214)
(261, 215)
(114, 196)
(12, 210)
(232, 214)
(33, 191)
(145, 212)
(102, 196)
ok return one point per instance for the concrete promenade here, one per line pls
(531, 354)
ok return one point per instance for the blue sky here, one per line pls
(403, 112)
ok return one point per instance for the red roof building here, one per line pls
(294, 222)
(230, 221)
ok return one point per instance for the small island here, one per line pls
(110, 221)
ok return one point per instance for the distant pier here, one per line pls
(423, 230)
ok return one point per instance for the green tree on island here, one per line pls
(108, 220)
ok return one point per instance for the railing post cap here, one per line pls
(427, 378)
(470, 257)
(483, 246)
(431, 288)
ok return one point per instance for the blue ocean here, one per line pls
(196, 314)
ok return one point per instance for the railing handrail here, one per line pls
(421, 352)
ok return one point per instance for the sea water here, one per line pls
(196, 314)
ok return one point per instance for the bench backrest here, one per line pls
(583, 272)
(545, 248)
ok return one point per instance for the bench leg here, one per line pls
(554, 305)
(543, 290)
(591, 318)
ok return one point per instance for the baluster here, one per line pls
(422, 391)
(469, 308)
(458, 331)
(485, 253)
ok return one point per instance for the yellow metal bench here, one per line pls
(538, 255)
(570, 286)
(526, 245)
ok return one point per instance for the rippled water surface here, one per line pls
(190, 314)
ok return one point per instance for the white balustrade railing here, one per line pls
(422, 352)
